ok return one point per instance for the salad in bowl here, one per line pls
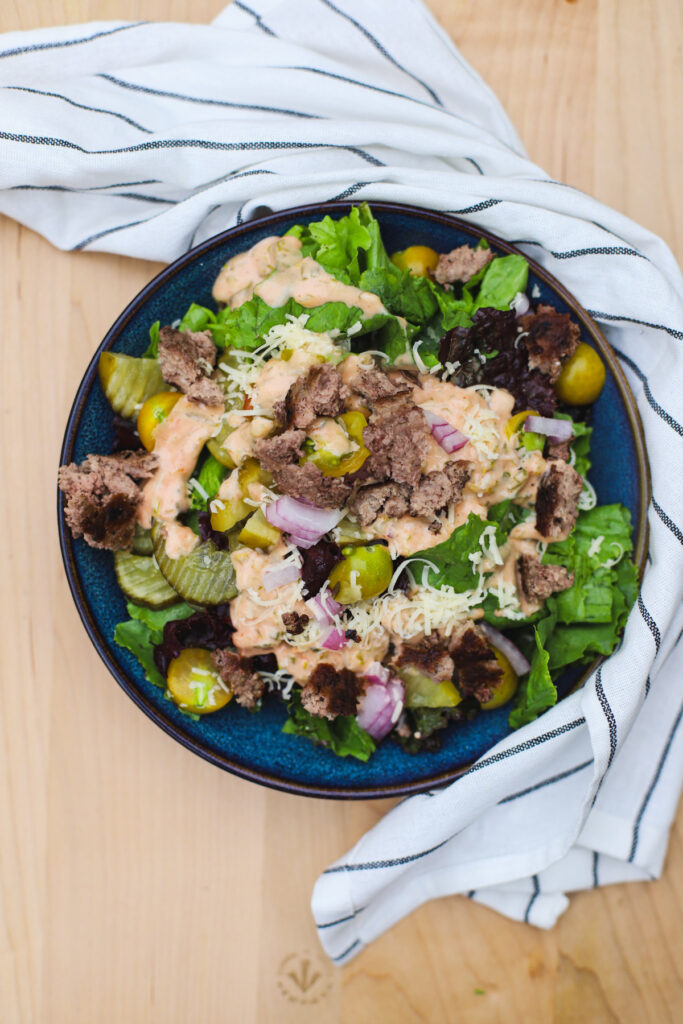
(357, 484)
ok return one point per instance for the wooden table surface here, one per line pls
(139, 884)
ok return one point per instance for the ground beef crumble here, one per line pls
(556, 500)
(275, 452)
(294, 622)
(236, 672)
(102, 496)
(329, 693)
(537, 581)
(187, 359)
(396, 437)
(461, 264)
(319, 392)
(478, 671)
(434, 662)
(551, 339)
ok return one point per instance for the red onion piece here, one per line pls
(380, 707)
(280, 575)
(376, 672)
(557, 431)
(520, 304)
(506, 647)
(335, 640)
(449, 437)
(304, 523)
(323, 608)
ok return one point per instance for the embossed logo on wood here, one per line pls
(304, 978)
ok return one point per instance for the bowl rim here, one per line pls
(102, 646)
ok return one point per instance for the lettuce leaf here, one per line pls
(601, 534)
(152, 350)
(342, 735)
(197, 318)
(210, 477)
(538, 692)
(451, 558)
(503, 277)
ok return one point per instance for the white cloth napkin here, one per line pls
(145, 139)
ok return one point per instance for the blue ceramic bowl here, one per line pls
(253, 746)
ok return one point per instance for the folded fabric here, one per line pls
(145, 139)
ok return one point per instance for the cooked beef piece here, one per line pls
(552, 338)
(537, 581)
(432, 495)
(397, 439)
(556, 500)
(294, 623)
(329, 693)
(458, 473)
(373, 383)
(236, 673)
(317, 562)
(320, 392)
(308, 484)
(475, 663)
(558, 451)
(102, 497)
(432, 661)
(391, 499)
(187, 359)
(461, 264)
(275, 452)
(436, 490)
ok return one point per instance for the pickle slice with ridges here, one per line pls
(141, 581)
(205, 576)
(142, 541)
(128, 382)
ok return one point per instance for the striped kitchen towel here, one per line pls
(144, 139)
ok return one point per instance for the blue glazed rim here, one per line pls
(303, 213)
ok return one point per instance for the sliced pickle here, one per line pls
(257, 532)
(141, 581)
(142, 541)
(423, 692)
(205, 576)
(352, 533)
(128, 382)
(215, 446)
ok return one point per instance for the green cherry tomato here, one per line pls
(363, 573)
(418, 259)
(582, 377)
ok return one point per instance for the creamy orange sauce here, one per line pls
(355, 657)
(309, 284)
(240, 444)
(236, 281)
(178, 441)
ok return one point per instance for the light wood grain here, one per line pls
(140, 884)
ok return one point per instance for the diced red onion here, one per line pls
(279, 575)
(335, 639)
(449, 437)
(376, 672)
(380, 707)
(557, 431)
(520, 304)
(506, 647)
(323, 608)
(304, 523)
